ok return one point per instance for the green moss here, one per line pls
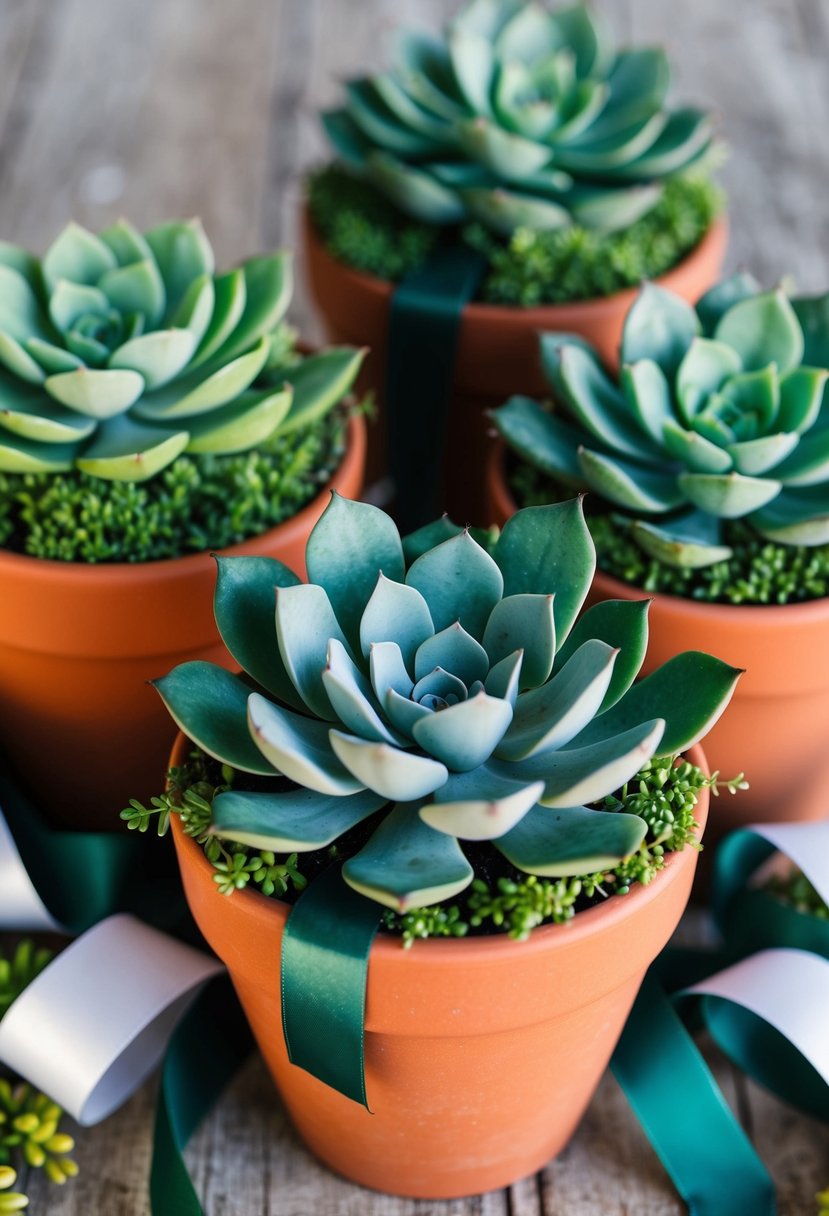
(500, 899)
(758, 572)
(196, 503)
(364, 230)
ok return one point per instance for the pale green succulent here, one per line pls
(446, 689)
(519, 117)
(718, 413)
(120, 351)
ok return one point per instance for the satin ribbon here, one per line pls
(95, 1022)
(424, 325)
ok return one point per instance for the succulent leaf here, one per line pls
(305, 626)
(396, 613)
(295, 821)
(352, 698)
(588, 772)
(459, 582)
(399, 776)
(466, 734)
(455, 650)
(763, 329)
(623, 626)
(526, 623)
(298, 747)
(481, 804)
(571, 840)
(510, 96)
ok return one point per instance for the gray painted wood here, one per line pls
(157, 108)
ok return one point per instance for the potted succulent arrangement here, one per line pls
(708, 456)
(30, 1133)
(525, 137)
(426, 726)
(151, 410)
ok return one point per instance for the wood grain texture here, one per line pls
(157, 108)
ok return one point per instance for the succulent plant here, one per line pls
(120, 351)
(444, 688)
(519, 117)
(718, 413)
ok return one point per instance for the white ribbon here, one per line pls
(787, 988)
(21, 908)
(95, 1023)
(806, 844)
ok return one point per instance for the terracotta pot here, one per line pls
(481, 1054)
(78, 643)
(775, 728)
(497, 350)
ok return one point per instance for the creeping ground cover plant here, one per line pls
(428, 703)
(140, 390)
(711, 447)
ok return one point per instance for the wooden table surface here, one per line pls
(161, 108)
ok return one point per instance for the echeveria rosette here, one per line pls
(121, 350)
(519, 117)
(719, 413)
(449, 688)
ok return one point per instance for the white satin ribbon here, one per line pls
(21, 908)
(787, 988)
(95, 1023)
(806, 844)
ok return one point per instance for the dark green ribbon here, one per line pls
(424, 325)
(325, 949)
(82, 877)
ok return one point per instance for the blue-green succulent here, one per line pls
(519, 117)
(121, 350)
(445, 686)
(719, 413)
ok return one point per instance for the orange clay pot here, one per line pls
(497, 350)
(777, 726)
(78, 643)
(481, 1054)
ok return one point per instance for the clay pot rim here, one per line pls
(77, 573)
(748, 615)
(554, 316)
(490, 948)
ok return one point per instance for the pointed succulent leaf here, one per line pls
(136, 288)
(297, 821)
(196, 393)
(244, 604)
(659, 326)
(252, 419)
(571, 841)
(156, 356)
(598, 405)
(298, 747)
(812, 313)
(464, 735)
(704, 367)
(612, 209)
(648, 394)
(691, 541)
(801, 397)
(31, 415)
(19, 455)
(429, 537)
(796, 517)
(621, 625)
(70, 301)
(126, 243)
(473, 62)
(98, 394)
(123, 450)
(352, 698)
(268, 287)
(52, 358)
(690, 692)
(183, 253)
(455, 650)
(523, 622)
(504, 679)
(753, 457)
(684, 137)
(505, 154)
(716, 302)
(552, 346)
(542, 438)
(388, 670)
(349, 547)
(440, 684)
(549, 717)
(808, 465)
(16, 359)
(195, 311)
(209, 705)
(402, 712)
(480, 805)
(697, 453)
(319, 382)
(588, 772)
(505, 210)
(23, 262)
(414, 189)
(728, 495)
(406, 864)
(631, 485)
(459, 582)
(397, 775)
(396, 613)
(763, 329)
(77, 255)
(305, 624)
(549, 550)
(230, 296)
(20, 312)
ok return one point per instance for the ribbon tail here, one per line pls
(688, 1122)
(209, 1046)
